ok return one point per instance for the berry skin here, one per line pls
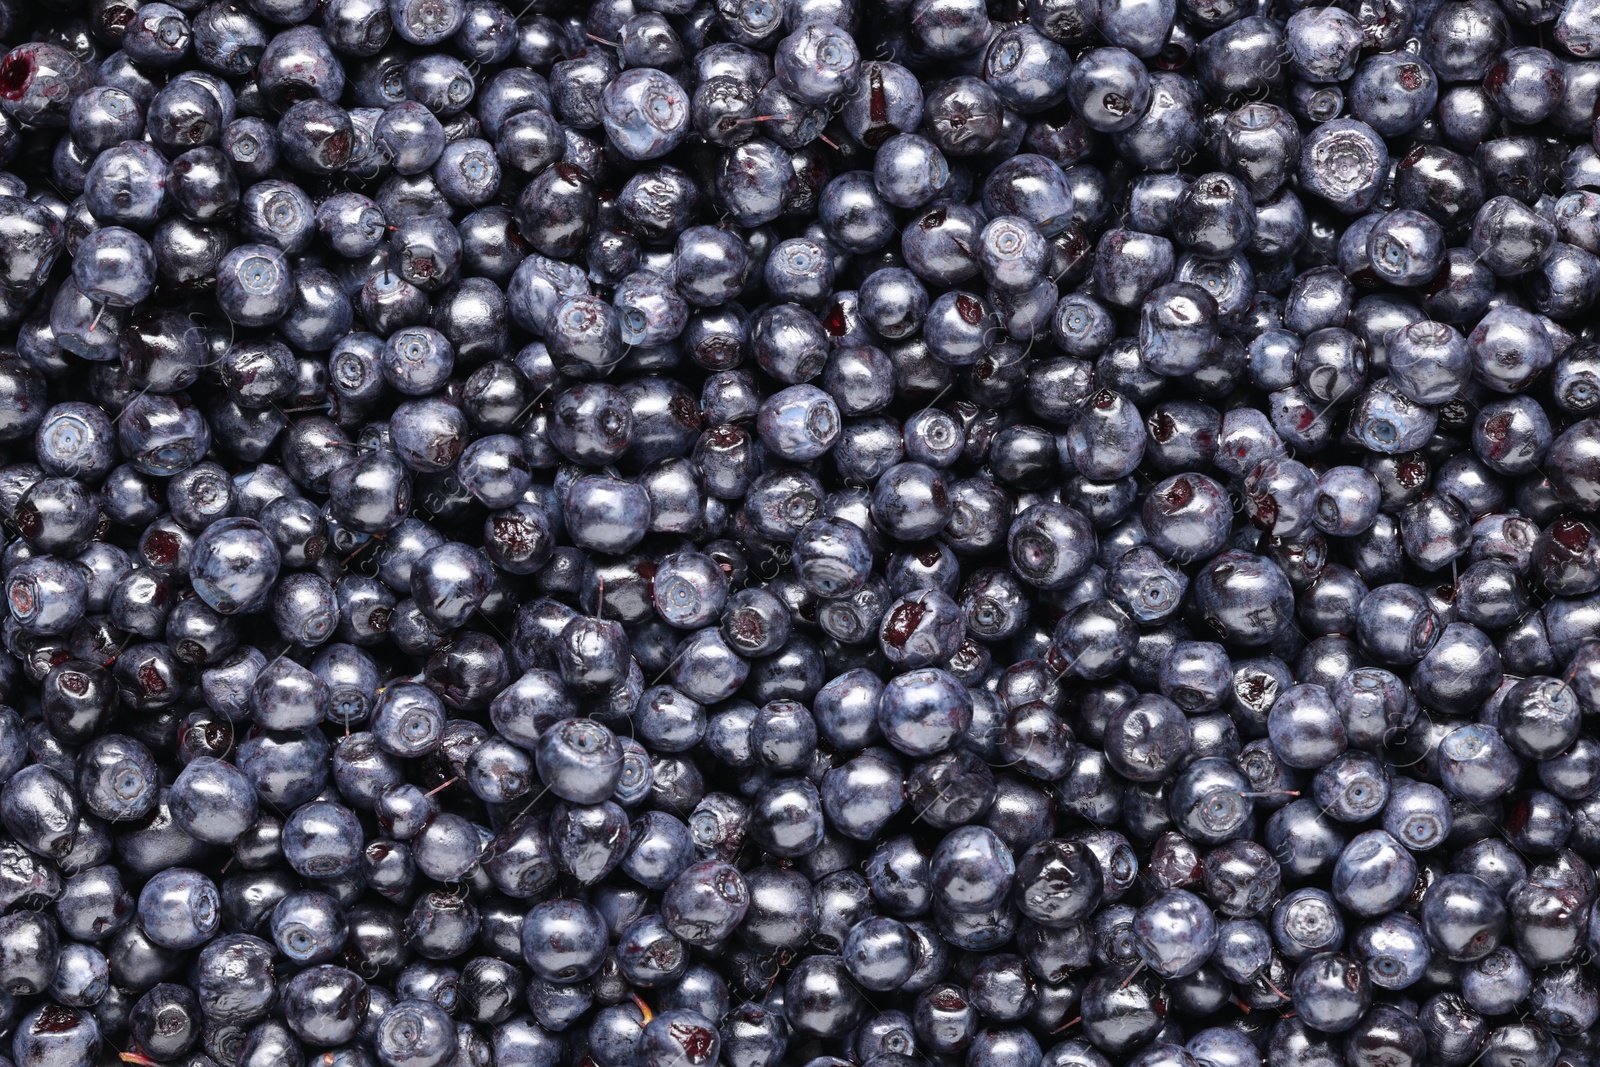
(1064, 537)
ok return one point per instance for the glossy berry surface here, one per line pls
(634, 533)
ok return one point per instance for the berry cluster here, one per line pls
(800, 533)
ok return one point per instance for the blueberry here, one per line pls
(580, 760)
(1175, 933)
(1331, 992)
(1463, 918)
(179, 908)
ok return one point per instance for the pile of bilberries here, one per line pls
(800, 533)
